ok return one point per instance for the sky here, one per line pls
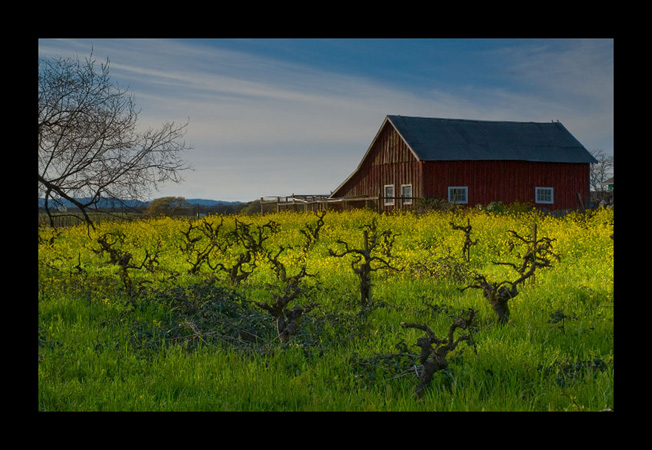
(272, 117)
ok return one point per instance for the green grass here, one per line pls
(100, 350)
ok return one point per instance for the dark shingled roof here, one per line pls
(434, 139)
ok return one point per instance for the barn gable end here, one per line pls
(388, 160)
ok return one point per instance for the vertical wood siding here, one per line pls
(389, 161)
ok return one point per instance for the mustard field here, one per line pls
(268, 313)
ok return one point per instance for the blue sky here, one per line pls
(282, 116)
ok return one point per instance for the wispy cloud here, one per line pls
(573, 79)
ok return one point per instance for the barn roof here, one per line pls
(433, 139)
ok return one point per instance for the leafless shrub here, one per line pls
(111, 245)
(287, 319)
(431, 359)
(367, 259)
(251, 241)
(311, 232)
(201, 240)
(434, 350)
(538, 255)
(468, 242)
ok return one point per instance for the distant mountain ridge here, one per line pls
(117, 203)
(206, 202)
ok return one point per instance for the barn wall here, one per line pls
(389, 161)
(508, 181)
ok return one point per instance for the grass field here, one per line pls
(164, 314)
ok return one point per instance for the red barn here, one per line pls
(472, 162)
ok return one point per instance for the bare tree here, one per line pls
(89, 146)
(601, 170)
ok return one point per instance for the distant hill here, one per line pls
(117, 203)
(102, 203)
(204, 202)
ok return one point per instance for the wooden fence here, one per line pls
(306, 203)
(62, 220)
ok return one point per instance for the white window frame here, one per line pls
(451, 189)
(389, 201)
(538, 190)
(407, 200)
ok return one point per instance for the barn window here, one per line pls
(389, 194)
(543, 195)
(458, 194)
(406, 194)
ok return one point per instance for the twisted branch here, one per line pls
(433, 359)
(363, 257)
